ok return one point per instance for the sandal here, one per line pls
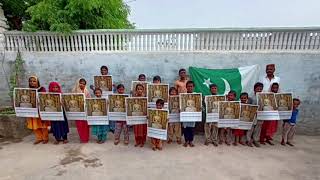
(37, 142)
(269, 142)
(289, 143)
(179, 142)
(215, 144)
(65, 141)
(154, 148)
(191, 144)
(126, 142)
(56, 142)
(45, 142)
(116, 142)
(185, 144)
(169, 141)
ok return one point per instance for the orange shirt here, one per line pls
(181, 85)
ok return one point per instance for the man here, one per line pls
(180, 84)
(270, 78)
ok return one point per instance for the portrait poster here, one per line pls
(158, 91)
(25, 102)
(50, 106)
(229, 114)
(190, 107)
(284, 103)
(136, 108)
(212, 107)
(174, 109)
(104, 82)
(157, 123)
(74, 106)
(134, 87)
(97, 111)
(117, 107)
(248, 113)
(268, 109)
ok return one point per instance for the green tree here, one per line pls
(68, 15)
(15, 11)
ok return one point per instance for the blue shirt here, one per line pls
(294, 116)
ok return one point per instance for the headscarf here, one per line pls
(76, 88)
(40, 89)
(53, 84)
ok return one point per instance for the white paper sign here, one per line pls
(136, 108)
(74, 106)
(229, 114)
(25, 102)
(190, 107)
(104, 82)
(212, 107)
(117, 107)
(157, 123)
(174, 109)
(267, 107)
(158, 91)
(247, 116)
(50, 106)
(284, 103)
(97, 111)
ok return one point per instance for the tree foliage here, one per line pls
(68, 15)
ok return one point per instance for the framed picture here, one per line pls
(284, 103)
(157, 123)
(268, 109)
(104, 82)
(117, 107)
(229, 114)
(74, 106)
(247, 115)
(158, 91)
(134, 87)
(25, 102)
(190, 107)
(212, 107)
(136, 110)
(174, 109)
(50, 106)
(97, 111)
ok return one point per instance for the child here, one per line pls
(140, 130)
(188, 131)
(269, 128)
(238, 133)
(254, 133)
(211, 129)
(82, 125)
(142, 77)
(39, 127)
(174, 127)
(289, 127)
(101, 131)
(181, 83)
(157, 143)
(225, 133)
(60, 129)
(156, 80)
(121, 125)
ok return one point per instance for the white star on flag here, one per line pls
(207, 82)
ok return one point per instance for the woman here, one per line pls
(40, 128)
(82, 125)
(60, 129)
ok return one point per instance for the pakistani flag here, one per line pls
(239, 79)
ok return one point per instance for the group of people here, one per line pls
(262, 132)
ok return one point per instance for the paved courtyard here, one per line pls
(23, 160)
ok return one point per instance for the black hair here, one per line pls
(83, 80)
(141, 75)
(213, 85)
(104, 67)
(190, 82)
(296, 99)
(160, 101)
(182, 69)
(275, 84)
(120, 86)
(97, 89)
(157, 78)
(258, 84)
(139, 85)
(244, 94)
(233, 92)
(171, 89)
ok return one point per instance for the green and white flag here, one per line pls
(238, 79)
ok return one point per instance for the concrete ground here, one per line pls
(23, 160)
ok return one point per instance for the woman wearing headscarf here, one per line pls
(60, 129)
(39, 128)
(82, 125)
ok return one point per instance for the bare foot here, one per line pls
(126, 142)
(185, 144)
(243, 144)
(37, 142)
(65, 141)
(169, 141)
(45, 142)
(116, 142)
(191, 144)
(56, 142)
(179, 142)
